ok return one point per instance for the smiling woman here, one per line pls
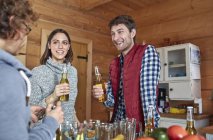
(59, 46)
(46, 88)
(54, 40)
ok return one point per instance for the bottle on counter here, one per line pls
(190, 121)
(161, 102)
(97, 129)
(150, 121)
(167, 106)
(64, 79)
(99, 82)
(91, 130)
(196, 108)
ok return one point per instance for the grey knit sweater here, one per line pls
(44, 80)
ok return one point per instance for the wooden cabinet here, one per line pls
(180, 69)
(185, 90)
(179, 62)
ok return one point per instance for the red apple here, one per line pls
(145, 138)
(176, 132)
(194, 137)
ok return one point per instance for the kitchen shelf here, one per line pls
(183, 116)
(177, 65)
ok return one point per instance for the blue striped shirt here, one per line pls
(149, 76)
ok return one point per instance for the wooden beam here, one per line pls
(90, 4)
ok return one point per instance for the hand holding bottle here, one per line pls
(97, 91)
(37, 112)
(64, 80)
(56, 113)
(62, 89)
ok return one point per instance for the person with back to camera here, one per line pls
(46, 77)
(133, 75)
(15, 113)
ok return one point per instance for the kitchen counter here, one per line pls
(168, 119)
(204, 130)
(183, 116)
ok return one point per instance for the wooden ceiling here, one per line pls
(107, 9)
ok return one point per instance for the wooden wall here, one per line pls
(185, 21)
(181, 22)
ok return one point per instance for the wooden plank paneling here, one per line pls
(102, 60)
(180, 29)
(90, 4)
(207, 101)
(207, 83)
(70, 17)
(121, 7)
(171, 10)
(206, 48)
(206, 68)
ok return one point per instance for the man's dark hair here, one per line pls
(123, 19)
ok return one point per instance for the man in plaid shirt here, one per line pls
(133, 76)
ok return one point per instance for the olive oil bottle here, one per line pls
(99, 82)
(190, 121)
(150, 122)
(64, 79)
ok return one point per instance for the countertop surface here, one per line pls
(183, 116)
(206, 130)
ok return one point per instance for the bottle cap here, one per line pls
(189, 107)
(97, 71)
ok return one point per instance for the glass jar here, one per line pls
(196, 108)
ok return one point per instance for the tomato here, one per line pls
(145, 138)
(194, 137)
(176, 132)
(160, 134)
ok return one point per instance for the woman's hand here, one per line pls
(62, 89)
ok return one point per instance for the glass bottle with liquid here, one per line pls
(97, 129)
(167, 106)
(150, 121)
(190, 121)
(59, 133)
(99, 82)
(161, 102)
(64, 79)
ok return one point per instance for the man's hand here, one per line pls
(55, 112)
(36, 112)
(97, 91)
